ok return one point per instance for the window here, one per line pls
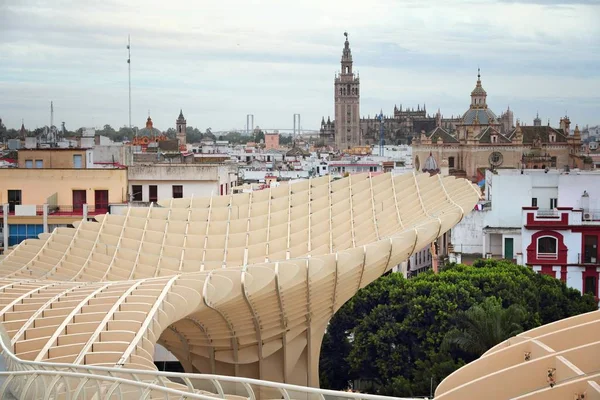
(19, 232)
(534, 202)
(153, 195)
(77, 161)
(590, 285)
(136, 193)
(451, 162)
(553, 203)
(28, 163)
(39, 163)
(14, 199)
(590, 249)
(547, 245)
(177, 191)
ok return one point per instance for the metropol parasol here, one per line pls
(239, 288)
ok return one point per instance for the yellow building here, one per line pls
(68, 194)
(55, 158)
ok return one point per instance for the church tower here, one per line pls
(347, 103)
(180, 126)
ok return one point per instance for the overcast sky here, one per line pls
(221, 60)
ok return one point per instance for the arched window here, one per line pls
(348, 88)
(547, 245)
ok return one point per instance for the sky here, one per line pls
(221, 60)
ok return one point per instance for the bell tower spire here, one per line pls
(180, 125)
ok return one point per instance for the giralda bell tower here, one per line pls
(347, 103)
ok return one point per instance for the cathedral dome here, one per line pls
(483, 116)
(149, 130)
(478, 112)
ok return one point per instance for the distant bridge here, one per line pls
(309, 132)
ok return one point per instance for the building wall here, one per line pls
(197, 180)
(113, 153)
(467, 236)
(52, 158)
(38, 184)
(165, 189)
(571, 187)
(472, 157)
(508, 194)
(271, 141)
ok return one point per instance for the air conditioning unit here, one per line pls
(587, 216)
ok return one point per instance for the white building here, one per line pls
(150, 183)
(564, 245)
(494, 229)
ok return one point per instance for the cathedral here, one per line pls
(349, 129)
(464, 145)
(481, 140)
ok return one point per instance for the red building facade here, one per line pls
(563, 243)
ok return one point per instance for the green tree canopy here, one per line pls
(485, 325)
(389, 338)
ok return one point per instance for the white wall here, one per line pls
(496, 244)
(571, 187)
(467, 236)
(544, 187)
(575, 278)
(260, 175)
(165, 189)
(509, 194)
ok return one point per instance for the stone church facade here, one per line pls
(482, 140)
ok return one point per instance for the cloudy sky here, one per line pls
(221, 60)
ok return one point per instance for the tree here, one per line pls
(285, 140)
(209, 134)
(388, 339)
(259, 136)
(171, 133)
(485, 325)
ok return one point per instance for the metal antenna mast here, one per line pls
(129, 67)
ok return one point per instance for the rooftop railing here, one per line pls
(64, 210)
(47, 380)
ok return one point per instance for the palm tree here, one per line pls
(484, 325)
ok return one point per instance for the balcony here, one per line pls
(547, 213)
(589, 257)
(61, 210)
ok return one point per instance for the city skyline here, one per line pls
(221, 62)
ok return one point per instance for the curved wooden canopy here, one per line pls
(239, 285)
(560, 360)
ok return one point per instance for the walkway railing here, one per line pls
(45, 380)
